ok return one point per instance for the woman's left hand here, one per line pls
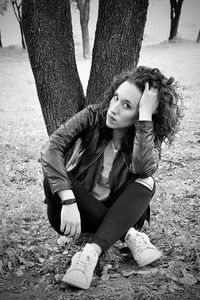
(148, 103)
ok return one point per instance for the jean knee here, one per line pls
(149, 182)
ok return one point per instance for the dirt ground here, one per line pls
(31, 260)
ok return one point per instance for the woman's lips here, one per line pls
(111, 118)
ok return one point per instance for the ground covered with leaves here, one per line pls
(32, 257)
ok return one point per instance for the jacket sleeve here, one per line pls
(60, 141)
(146, 150)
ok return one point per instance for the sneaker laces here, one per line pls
(139, 241)
(83, 261)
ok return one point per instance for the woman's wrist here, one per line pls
(145, 115)
(68, 201)
(66, 194)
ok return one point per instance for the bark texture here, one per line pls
(118, 39)
(48, 33)
(84, 10)
(175, 12)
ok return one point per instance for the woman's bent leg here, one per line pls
(53, 207)
(91, 210)
(124, 213)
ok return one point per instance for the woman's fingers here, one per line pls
(62, 226)
(152, 88)
(78, 231)
(67, 229)
(73, 230)
(147, 86)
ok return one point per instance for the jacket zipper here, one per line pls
(84, 168)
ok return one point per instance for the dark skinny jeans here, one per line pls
(109, 220)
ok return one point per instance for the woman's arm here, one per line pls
(146, 150)
(53, 153)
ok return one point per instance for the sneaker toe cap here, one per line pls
(76, 278)
(148, 256)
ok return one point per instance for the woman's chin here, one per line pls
(109, 124)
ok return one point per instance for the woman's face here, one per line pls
(123, 110)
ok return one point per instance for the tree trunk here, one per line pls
(198, 37)
(84, 10)
(48, 34)
(118, 39)
(175, 12)
(0, 40)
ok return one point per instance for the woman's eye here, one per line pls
(126, 105)
(116, 97)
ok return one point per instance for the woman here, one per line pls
(107, 184)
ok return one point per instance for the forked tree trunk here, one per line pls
(198, 37)
(175, 12)
(84, 10)
(118, 39)
(48, 33)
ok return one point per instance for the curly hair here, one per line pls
(169, 113)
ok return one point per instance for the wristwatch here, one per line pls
(68, 201)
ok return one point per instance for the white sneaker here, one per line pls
(143, 251)
(80, 272)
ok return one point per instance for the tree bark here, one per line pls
(84, 10)
(198, 37)
(118, 39)
(48, 34)
(175, 12)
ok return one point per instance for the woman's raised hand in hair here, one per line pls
(148, 103)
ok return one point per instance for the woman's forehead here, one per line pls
(128, 90)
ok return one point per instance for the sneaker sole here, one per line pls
(76, 283)
(150, 260)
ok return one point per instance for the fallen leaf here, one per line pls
(41, 280)
(11, 253)
(15, 237)
(64, 240)
(59, 277)
(145, 272)
(1, 266)
(9, 265)
(105, 277)
(106, 268)
(173, 287)
(22, 260)
(114, 275)
(188, 278)
(19, 272)
(41, 260)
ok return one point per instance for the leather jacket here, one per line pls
(141, 162)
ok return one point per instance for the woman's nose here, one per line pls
(114, 108)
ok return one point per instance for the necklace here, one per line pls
(115, 149)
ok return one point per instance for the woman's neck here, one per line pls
(118, 134)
